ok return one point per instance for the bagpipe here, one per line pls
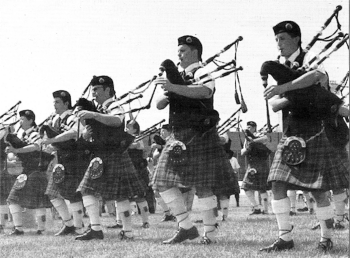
(255, 148)
(30, 160)
(208, 117)
(149, 131)
(11, 112)
(315, 101)
(228, 123)
(104, 137)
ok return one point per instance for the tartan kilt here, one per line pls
(207, 164)
(259, 181)
(6, 183)
(52, 190)
(324, 168)
(118, 180)
(75, 166)
(143, 174)
(32, 195)
(232, 188)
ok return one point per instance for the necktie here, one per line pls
(58, 123)
(287, 63)
(183, 74)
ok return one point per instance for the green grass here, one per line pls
(240, 236)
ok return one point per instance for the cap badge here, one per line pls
(189, 40)
(101, 80)
(289, 26)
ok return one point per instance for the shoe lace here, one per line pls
(326, 245)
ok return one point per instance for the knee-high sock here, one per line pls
(117, 216)
(188, 199)
(251, 198)
(4, 209)
(265, 202)
(143, 206)
(208, 208)
(91, 203)
(281, 209)
(325, 215)
(309, 200)
(77, 210)
(292, 194)
(40, 218)
(124, 210)
(17, 216)
(110, 205)
(62, 209)
(162, 204)
(339, 205)
(173, 198)
(224, 207)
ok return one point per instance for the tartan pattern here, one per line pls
(259, 182)
(6, 183)
(119, 179)
(32, 195)
(75, 166)
(324, 168)
(52, 190)
(207, 164)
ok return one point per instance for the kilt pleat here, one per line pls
(324, 167)
(259, 181)
(6, 183)
(119, 179)
(207, 164)
(32, 195)
(75, 166)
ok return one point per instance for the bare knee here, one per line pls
(321, 198)
(279, 190)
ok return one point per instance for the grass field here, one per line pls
(240, 236)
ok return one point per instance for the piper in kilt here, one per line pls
(224, 199)
(136, 154)
(255, 178)
(156, 150)
(69, 168)
(28, 190)
(323, 168)
(111, 173)
(6, 181)
(193, 155)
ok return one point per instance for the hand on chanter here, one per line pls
(87, 132)
(164, 83)
(273, 90)
(84, 114)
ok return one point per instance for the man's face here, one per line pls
(60, 106)
(25, 123)
(164, 133)
(100, 94)
(129, 128)
(286, 45)
(251, 128)
(187, 56)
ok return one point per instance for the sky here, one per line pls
(51, 45)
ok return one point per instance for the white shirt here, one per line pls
(113, 109)
(234, 163)
(308, 56)
(199, 73)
